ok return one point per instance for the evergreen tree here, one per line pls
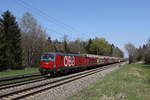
(89, 45)
(49, 40)
(66, 47)
(112, 50)
(2, 49)
(13, 38)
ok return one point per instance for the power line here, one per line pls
(59, 33)
(51, 19)
(52, 30)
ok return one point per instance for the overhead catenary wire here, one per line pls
(47, 28)
(49, 18)
(18, 18)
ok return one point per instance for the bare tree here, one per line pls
(65, 43)
(131, 52)
(33, 40)
(147, 52)
(116, 52)
(75, 46)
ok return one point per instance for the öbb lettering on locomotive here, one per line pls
(53, 62)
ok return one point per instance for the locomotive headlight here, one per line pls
(47, 63)
(54, 65)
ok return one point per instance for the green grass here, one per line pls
(131, 82)
(15, 72)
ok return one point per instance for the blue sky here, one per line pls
(118, 21)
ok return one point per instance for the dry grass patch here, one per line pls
(120, 96)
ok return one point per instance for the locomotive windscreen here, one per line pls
(48, 57)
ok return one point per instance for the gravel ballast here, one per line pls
(69, 89)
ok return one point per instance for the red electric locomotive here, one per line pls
(53, 62)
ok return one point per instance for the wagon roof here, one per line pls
(71, 54)
(67, 54)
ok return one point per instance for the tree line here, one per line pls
(142, 53)
(23, 42)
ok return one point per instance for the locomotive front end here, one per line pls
(47, 63)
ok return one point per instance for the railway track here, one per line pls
(13, 84)
(25, 90)
(8, 84)
(19, 76)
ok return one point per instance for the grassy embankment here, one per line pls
(131, 82)
(21, 71)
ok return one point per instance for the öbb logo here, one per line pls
(69, 61)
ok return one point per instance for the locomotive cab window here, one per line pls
(48, 57)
